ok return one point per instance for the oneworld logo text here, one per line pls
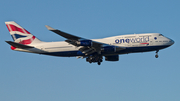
(132, 40)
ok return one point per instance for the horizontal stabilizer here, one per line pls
(18, 45)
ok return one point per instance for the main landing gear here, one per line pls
(94, 59)
(157, 54)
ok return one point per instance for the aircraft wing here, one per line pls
(77, 41)
(63, 34)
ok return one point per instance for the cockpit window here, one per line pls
(160, 35)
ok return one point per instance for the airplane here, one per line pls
(92, 49)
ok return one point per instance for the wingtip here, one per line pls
(7, 42)
(49, 28)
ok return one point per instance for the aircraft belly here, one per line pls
(142, 49)
(137, 49)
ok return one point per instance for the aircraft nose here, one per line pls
(171, 42)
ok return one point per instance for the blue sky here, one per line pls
(135, 77)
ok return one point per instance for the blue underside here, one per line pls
(125, 51)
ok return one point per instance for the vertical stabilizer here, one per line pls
(21, 35)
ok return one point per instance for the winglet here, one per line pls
(49, 28)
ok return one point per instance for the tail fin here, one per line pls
(21, 35)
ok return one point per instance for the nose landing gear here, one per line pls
(157, 54)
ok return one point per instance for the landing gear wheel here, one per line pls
(99, 63)
(156, 56)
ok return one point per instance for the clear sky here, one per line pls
(135, 77)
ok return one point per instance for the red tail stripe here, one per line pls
(28, 41)
(15, 28)
(25, 42)
(27, 31)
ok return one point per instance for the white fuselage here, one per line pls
(132, 43)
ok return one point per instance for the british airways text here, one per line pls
(133, 40)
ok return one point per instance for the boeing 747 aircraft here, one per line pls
(92, 49)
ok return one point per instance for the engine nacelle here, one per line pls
(84, 43)
(112, 58)
(108, 49)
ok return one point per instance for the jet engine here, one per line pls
(112, 58)
(109, 49)
(84, 43)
